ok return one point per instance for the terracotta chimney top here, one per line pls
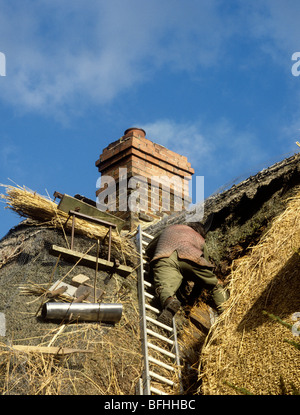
(139, 132)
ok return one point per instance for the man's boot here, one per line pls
(219, 296)
(171, 306)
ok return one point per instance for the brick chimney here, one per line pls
(142, 180)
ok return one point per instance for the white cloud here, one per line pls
(277, 20)
(183, 138)
(216, 150)
(61, 52)
(64, 54)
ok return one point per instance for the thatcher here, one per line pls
(246, 351)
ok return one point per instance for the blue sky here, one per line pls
(211, 80)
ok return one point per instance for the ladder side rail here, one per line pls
(177, 353)
(143, 325)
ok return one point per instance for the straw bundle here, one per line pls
(247, 351)
(29, 204)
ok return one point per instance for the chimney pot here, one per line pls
(139, 132)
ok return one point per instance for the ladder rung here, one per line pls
(162, 364)
(147, 235)
(161, 350)
(159, 336)
(154, 309)
(157, 391)
(151, 296)
(144, 242)
(148, 284)
(161, 378)
(158, 323)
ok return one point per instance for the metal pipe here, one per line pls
(110, 313)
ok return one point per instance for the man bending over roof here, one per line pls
(179, 252)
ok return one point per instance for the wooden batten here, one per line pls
(90, 261)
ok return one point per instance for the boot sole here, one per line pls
(166, 317)
(174, 306)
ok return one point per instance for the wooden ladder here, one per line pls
(161, 361)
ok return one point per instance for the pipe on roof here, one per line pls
(110, 313)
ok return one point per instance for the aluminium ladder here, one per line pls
(162, 372)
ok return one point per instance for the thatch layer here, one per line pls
(247, 351)
(31, 205)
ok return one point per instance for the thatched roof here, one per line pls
(246, 348)
(252, 226)
(108, 358)
(105, 359)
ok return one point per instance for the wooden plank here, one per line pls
(89, 260)
(200, 317)
(82, 289)
(48, 349)
(70, 289)
(68, 203)
(92, 219)
(80, 279)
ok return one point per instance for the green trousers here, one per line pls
(168, 274)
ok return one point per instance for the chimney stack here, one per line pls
(142, 180)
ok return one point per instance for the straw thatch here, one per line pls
(107, 362)
(104, 359)
(247, 351)
(29, 204)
